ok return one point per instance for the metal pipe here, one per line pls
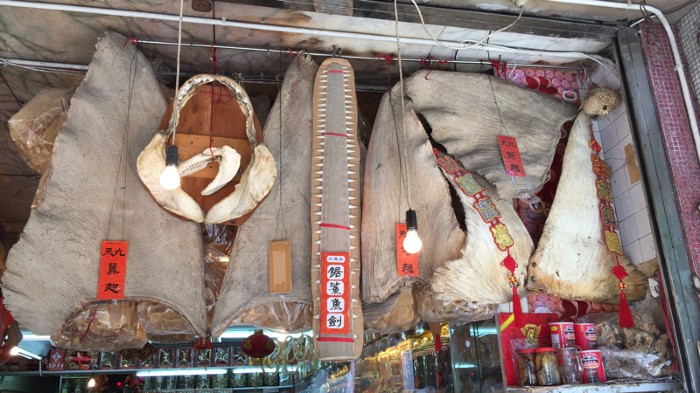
(680, 69)
(283, 29)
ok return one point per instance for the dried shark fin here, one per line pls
(572, 260)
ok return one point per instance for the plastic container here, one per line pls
(593, 371)
(563, 334)
(546, 366)
(526, 367)
(586, 336)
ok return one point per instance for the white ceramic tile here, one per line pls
(620, 181)
(637, 198)
(623, 126)
(641, 219)
(619, 111)
(594, 126)
(609, 137)
(648, 246)
(623, 206)
(599, 75)
(628, 230)
(634, 252)
(603, 122)
(615, 157)
(611, 81)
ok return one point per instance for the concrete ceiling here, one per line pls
(70, 37)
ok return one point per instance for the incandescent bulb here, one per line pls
(14, 351)
(91, 383)
(170, 178)
(412, 243)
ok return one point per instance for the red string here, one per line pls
(292, 54)
(92, 319)
(388, 60)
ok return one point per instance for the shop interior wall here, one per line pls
(614, 135)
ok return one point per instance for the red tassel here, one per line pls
(438, 343)
(626, 320)
(517, 307)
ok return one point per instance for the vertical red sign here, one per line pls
(335, 293)
(406, 264)
(110, 285)
(511, 156)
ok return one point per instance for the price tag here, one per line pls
(110, 285)
(406, 264)
(335, 293)
(511, 156)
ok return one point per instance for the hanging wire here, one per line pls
(403, 109)
(177, 72)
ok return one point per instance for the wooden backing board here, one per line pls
(335, 182)
(193, 134)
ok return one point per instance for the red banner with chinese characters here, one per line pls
(406, 264)
(335, 293)
(511, 156)
(110, 285)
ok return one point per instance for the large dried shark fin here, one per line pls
(335, 213)
(572, 260)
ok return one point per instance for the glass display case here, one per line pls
(476, 359)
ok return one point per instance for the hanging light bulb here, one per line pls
(170, 178)
(91, 383)
(412, 243)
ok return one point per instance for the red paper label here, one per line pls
(110, 285)
(511, 156)
(406, 264)
(335, 293)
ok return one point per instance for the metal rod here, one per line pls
(349, 57)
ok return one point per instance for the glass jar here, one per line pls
(547, 368)
(526, 367)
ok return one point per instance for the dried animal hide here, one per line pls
(572, 260)
(395, 314)
(477, 278)
(283, 215)
(385, 202)
(52, 271)
(467, 112)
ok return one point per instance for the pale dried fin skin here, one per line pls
(477, 276)
(283, 215)
(385, 202)
(467, 119)
(53, 269)
(572, 260)
(149, 166)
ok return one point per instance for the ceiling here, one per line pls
(70, 36)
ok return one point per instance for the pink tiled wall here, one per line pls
(676, 133)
